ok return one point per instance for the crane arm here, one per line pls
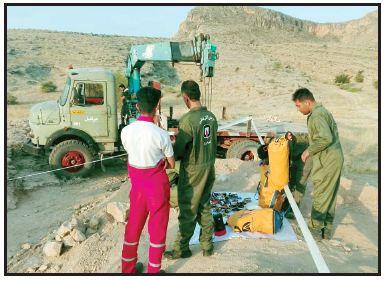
(199, 50)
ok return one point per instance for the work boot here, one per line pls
(208, 253)
(289, 214)
(327, 233)
(316, 233)
(174, 255)
(139, 267)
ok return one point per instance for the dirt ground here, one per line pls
(353, 248)
(252, 77)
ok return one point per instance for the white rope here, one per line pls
(311, 244)
(235, 122)
(50, 171)
(257, 132)
(238, 121)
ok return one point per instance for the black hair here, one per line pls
(191, 89)
(303, 94)
(122, 86)
(148, 98)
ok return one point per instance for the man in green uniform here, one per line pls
(195, 146)
(125, 99)
(326, 152)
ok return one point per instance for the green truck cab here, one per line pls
(81, 124)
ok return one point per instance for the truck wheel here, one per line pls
(243, 149)
(69, 153)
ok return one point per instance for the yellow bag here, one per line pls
(266, 221)
(278, 154)
(274, 177)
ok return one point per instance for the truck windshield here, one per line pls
(63, 97)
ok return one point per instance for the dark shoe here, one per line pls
(327, 234)
(139, 267)
(317, 234)
(290, 215)
(174, 255)
(207, 253)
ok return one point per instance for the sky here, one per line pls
(148, 21)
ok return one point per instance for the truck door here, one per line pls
(88, 108)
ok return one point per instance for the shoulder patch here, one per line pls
(206, 131)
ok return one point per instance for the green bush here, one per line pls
(342, 78)
(277, 65)
(11, 99)
(48, 87)
(376, 84)
(359, 77)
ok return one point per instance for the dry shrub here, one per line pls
(11, 99)
(360, 76)
(342, 78)
(48, 87)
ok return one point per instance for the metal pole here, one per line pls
(311, 244)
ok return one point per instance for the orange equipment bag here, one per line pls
(267, 221)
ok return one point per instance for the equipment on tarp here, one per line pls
(266, 220)
(219, 226)
(275, 176)
(226, 203)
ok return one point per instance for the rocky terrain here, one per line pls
(264, 57)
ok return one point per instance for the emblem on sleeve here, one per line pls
(206, 131)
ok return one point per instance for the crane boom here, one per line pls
(199, 51)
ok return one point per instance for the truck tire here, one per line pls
(69, 153)
(243, 149)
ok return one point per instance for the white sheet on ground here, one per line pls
(286, 233)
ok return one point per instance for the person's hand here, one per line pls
(305, 155)
(165, 164)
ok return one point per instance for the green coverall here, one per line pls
(326, 152)
(195, 146)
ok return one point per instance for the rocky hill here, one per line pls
(256, 24)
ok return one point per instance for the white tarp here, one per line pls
(285, 234)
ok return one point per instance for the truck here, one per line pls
(82, 125)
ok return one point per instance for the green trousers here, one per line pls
(326, 175)
(194, 191)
